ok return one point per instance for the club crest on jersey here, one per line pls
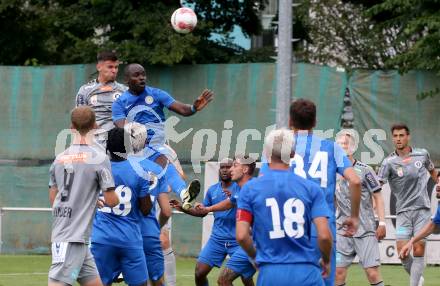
(418, 164)
(149, 99)
(400, 172)
(94, 99)
(116, 95)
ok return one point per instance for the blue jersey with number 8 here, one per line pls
(119, 226)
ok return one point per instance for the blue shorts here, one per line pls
(154, 257)
(240, 264)
(111, 260)
(215, 251)
(303, 274)
(330, 280)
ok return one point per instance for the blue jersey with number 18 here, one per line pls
(283, 206)
(119, 226)
(319, 160)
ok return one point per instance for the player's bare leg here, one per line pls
(341, 275)
(201, 274)
(187, 193)
(94, 282)
(159, 282)
(414, 265)
(247, 281)
(373, 275)
(226, 277)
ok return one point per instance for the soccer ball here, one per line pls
(184, 20)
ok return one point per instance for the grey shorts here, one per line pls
(409, 223)
(72, 262)
(366, 248)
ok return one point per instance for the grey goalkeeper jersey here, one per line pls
(100, 98)
(370, 185)
(79, 173)
(408, 179)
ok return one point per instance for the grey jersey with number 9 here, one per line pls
(408, 179)
(100, 98)
(79, 173)
(370, 184)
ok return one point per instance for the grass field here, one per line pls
(31, 270)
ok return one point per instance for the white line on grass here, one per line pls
(19, 274)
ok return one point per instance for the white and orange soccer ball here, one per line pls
(184, 20)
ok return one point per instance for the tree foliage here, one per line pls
(378, 34)
(67, 31)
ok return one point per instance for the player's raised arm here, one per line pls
(187, 109)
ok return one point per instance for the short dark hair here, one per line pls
(248, 161)
(107, 56)
(400, 126)
(303, 114)
(115, 143)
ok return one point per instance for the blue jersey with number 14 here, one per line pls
(319, 160)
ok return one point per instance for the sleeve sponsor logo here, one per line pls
(371, 181)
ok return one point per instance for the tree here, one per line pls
(379, 34)
(66, 32)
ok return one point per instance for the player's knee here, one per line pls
(222, 279)
(340, 274)
(373, 275)
(199, 274)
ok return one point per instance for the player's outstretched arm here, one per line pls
(221, 206)
(165, 209)
(424, 232)
(110, 197)
(145, 205)
(354, 183)
(198, 212)
(325, 242)
(380, 209)
(187, 110)
(53, 191)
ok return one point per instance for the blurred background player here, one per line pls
(365, 242)
(146, 105)
(406, 170)
(116, 237)
(151, 225)
(320, 160)
(100, 93)
(238, 265)
(222, 240)
(76, 177)
(283, 207)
